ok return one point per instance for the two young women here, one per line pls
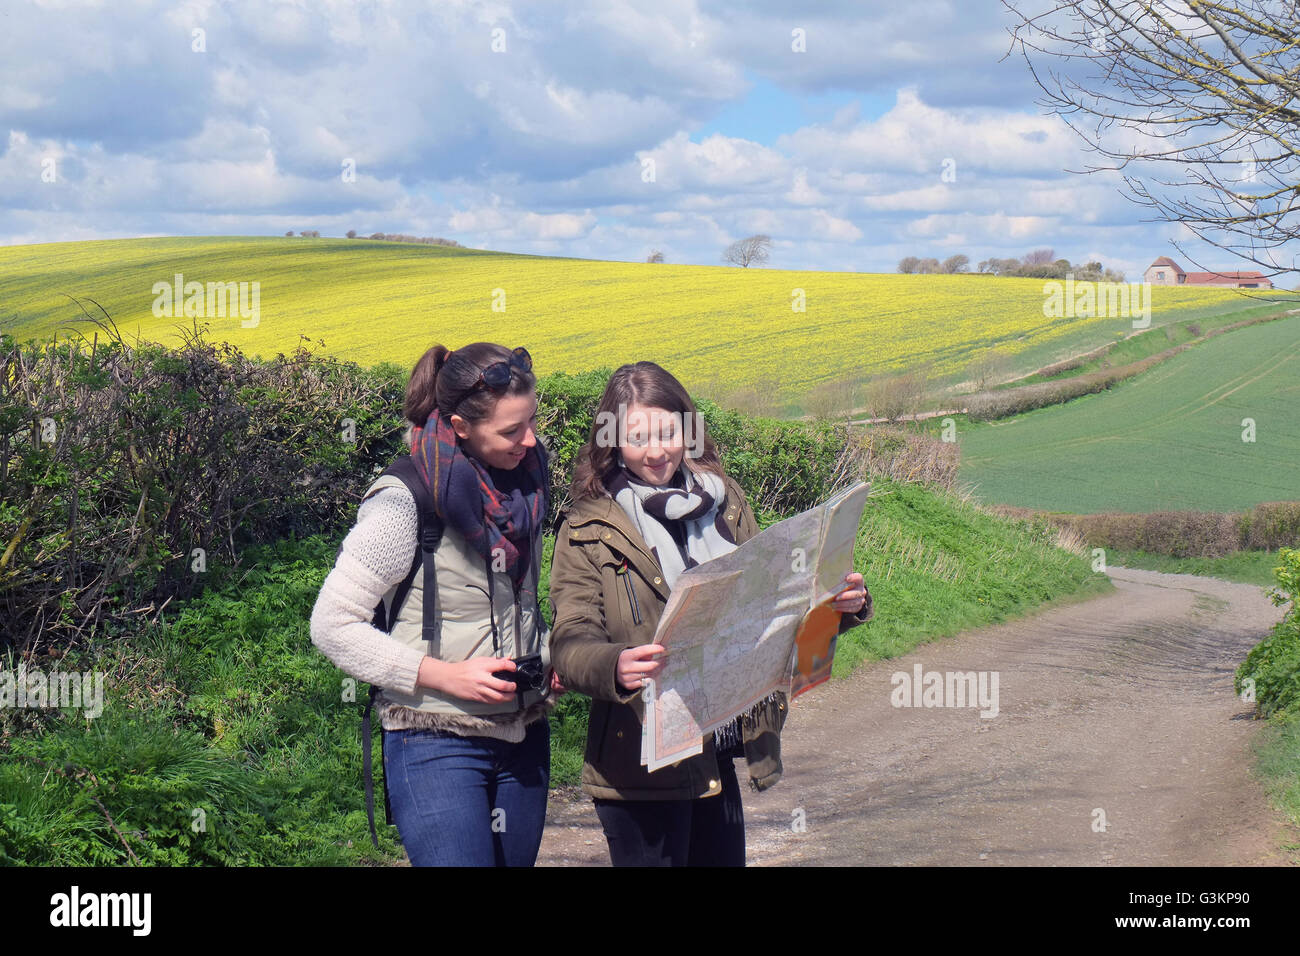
(466, 754)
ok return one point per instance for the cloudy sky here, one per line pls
(601, 129)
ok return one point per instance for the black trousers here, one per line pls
(707, 831)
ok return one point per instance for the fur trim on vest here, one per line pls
(508, 727)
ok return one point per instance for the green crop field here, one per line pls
(1171, 439)
(716, 327)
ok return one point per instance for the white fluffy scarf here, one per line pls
(698, 507)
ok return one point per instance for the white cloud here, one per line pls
(915, 137)
(540, 148)
(801, 194)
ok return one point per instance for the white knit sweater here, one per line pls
(376, 555)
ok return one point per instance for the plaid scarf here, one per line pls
(496, 511)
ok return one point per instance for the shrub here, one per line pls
(894, 397)
(164, 461)
(1270, 525)
(903, 455)
(1274, 663)
(834, 399)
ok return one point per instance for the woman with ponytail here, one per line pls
(466, 751)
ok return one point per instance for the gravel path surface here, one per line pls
(1118, 710)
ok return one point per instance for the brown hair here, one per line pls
(445, 380)
(641, 383)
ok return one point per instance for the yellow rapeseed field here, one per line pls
(716, 325)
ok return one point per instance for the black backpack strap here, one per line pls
(429, 536)
(365, 765)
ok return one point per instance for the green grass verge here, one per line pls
(226, 739)
(937, 565)
(1271, 673)
(1277, 752)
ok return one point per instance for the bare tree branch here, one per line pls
(1196, 103)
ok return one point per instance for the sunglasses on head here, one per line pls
(497, 375)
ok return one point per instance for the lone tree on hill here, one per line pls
(1197, 104)
(744, 251)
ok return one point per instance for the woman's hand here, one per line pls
(634, 664)
(469, 680)
(853, 598)
(557, 686)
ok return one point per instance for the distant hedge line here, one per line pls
(993, 404)
(1184, 534)
(1003, 403)
(126, 471)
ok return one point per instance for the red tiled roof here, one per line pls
(1166, 261)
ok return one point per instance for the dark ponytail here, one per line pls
(445, 377)
(421, 390)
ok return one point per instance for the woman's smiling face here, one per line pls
(502, 439)
(653, 448)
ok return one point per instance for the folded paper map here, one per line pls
(741, 626)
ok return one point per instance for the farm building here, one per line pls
(1164, 271)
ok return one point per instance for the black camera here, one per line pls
(529, 674)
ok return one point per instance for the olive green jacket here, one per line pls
(607, 593)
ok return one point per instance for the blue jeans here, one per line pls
(468, 801)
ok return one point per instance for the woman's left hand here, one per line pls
(853, 598)
(557, 688)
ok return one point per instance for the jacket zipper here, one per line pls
(631, 594)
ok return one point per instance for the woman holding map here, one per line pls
(649, 500)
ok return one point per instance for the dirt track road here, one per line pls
(1122, 704)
